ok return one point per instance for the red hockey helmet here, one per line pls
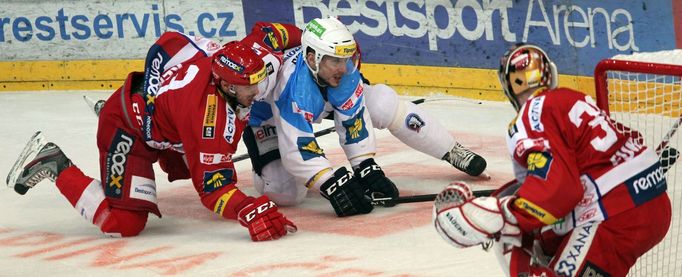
(238, 64)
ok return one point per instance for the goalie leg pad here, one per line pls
(407, 122)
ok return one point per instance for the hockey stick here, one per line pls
(390, 202)
(667, 154)
(317, 134)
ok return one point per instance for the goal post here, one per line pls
(647, 96)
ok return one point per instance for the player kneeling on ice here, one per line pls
(580, 206)
(189, 117)
(321, 80)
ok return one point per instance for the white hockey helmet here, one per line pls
(327, 36)
(525, 67)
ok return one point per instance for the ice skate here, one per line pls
(47, 161)
(465, 160)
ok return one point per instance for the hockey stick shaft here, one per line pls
(668, 136)
(388, 202)
(317, 134)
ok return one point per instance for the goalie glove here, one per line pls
(373, 179)
(263, 220)
(464, 221)
(346, 194)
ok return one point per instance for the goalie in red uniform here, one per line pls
(592, 199)
(187, 111)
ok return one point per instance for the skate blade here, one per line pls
(484, 176)
(34, 145)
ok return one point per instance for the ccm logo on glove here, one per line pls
(367, 170)
(339, 183)
(259, 210)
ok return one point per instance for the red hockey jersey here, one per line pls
(574, 163)
(183, 110)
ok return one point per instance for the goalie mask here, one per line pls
(329, 37)
(525, 67)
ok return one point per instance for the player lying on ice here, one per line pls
(318, 80)
(583, 207)
(189, 116)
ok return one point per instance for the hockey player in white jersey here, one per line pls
(319, 80)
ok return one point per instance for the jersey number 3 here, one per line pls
(597, 120)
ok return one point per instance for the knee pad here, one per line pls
(123, 223)
(279, 185)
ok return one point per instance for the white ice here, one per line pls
(41, 234)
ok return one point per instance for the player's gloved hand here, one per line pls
(373, 179)
(464, 221)
(264, 221)
(346, 194)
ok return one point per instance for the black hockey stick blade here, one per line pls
(378, 200)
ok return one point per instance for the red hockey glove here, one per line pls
(264, 221)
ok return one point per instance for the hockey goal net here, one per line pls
(646, 96)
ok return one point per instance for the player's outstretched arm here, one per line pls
(263, 220)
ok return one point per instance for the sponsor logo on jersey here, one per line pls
(231, 64)
(315, 28)
(587, 215)
(592, 270)
(283, 33)
(143, 188)
(535, 114)
(350, 103)
(230, 125)
(270, 39)
(539, 164)
(309, 148)
(214, 180)
(308, 116)
(117, 158)
(414, 122)
(526, 145)
(535, 210)
(647, 184)
(220, 205)
(265, 132)
(214, 158)
(356, 129)
(208, 129)
(575, 251)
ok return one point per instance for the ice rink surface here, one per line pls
(41, 234)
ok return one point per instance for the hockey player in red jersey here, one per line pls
(189, 116)
(592, 199)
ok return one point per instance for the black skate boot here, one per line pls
(48, 163)
(465, 160)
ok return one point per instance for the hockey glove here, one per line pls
(464, 221)
(345, 194)
(373, 179)
(264, 221)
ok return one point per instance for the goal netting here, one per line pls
(646, 95)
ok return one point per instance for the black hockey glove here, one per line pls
(373, 179)
(345, 194)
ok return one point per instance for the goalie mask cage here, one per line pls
(646, 96)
